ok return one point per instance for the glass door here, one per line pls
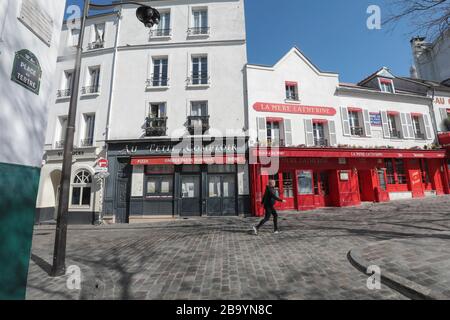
(221, 195)
(190, 196)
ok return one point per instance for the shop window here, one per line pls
(305, 183)
(382, 180)
(81, 189)
(159, 187)
(395, 171)
(324, 186)
(288, 185)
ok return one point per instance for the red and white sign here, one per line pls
(103, 163)
(342, 153)
(294, 109)
(146, 161)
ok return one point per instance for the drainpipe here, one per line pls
(433, 116)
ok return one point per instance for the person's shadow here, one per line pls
(44, 265)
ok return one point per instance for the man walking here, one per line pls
(268, 202)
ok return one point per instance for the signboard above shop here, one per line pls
(294, 109)
(27, 71)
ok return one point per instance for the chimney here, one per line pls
(413, 72)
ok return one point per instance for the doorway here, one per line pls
(221, 195)
(191, 196)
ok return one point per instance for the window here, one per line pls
(89, 125)
(81, 189)
(159, 186)
(292, 91)
(199, 22)
(199, 108)
(74, 37)
(160, 72)
(395, 171)
(66, 85)
(93, 81)
(62, 132)
(305, 183)
(356, 129)
(98, 36)
(319, 134)
(386, 85)
(157, 110)
(273, 134)
(392, 122)
(198, 121)
(288, 185)
(163, 28)
(418, 134)
(199, 71)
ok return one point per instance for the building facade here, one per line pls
(165, 106)
(431, 60)
(29, 41)
(328, 143)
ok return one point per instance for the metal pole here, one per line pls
(59, 255)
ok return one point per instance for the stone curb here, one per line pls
(396, 282)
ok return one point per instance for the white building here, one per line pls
(147, 91)
(29, 40)
(431, 60)
(338, 144)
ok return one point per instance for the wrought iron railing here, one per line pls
(395, 134)
(90, 89)
(196, 31)
(275, 142)
(160, 33)
(419, 136)
(96, 45)
(59, 144)
(198, 79)
(63, 93)
(357, 131)
(155, 81)
(320, 142)
(198, 123)
(88, 142)
(155, 126)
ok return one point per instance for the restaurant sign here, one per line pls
(294, 109)
(27, 71)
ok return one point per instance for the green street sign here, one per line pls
(27, 71)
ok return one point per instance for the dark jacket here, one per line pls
(270, 198)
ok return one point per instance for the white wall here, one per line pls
(23, 116)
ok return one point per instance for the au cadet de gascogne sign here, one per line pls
(27, 71)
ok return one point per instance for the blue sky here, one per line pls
(331, 33)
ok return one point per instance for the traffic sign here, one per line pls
(103, 163)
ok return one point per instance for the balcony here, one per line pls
(197, 124)
(395, 134)
(198, 31)
(89, 142)
(59, 144)
(320, 142)
(160, 33)
(202, 79)
(357, 131)
(90, 90)
(157, 81)
(96, 45)
(155, 126)
(61, 94)
(419, 136)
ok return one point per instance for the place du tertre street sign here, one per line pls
(27, 71)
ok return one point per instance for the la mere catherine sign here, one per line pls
(294, 109)
(27, 71)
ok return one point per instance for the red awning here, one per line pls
(415, 114)
(274, 119)
(386, 81)
(348, 153)
(291, 83)
(393, 113)
(145, 161)
(320, 121)
(354, 109)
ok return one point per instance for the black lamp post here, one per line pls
(149, 17)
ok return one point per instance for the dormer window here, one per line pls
(387, 85)
(292, 91)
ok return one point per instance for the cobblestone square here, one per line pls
(219, 258)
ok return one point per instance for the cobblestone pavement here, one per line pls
(218, 258)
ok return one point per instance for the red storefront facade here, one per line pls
(310, 178)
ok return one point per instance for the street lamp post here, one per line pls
(149, 17)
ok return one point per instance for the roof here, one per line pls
(383, 72)
(428, 83)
